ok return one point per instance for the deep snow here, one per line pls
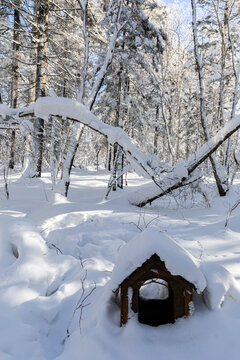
(54, 254)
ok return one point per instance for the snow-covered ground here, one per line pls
(56, 260)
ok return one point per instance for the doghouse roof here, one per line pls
(151, 241)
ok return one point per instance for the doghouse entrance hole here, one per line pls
(155, 303)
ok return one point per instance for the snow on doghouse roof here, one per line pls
(151, 241)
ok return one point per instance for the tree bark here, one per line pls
(42, 9)
(15, 69)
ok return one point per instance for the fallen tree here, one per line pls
(181, 173)
(165, 178)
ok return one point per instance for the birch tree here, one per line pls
(15, 74)
(42, 13)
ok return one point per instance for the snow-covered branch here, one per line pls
(166, 179)
(73, 110)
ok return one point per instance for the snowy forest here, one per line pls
(119, 158)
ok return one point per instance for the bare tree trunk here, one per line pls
(116, 151)
(109, 157)
(223, 29)
(234, 105)
(155, 139)
(179, 104)
(74, 140)
(84, 6)
(15, 67)
(234, 99)
(120, 170)
(42, 8)
(12, 150)
(124, 118)
(222, 189)
(54, 148)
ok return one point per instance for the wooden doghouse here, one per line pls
(155, 311)
(168, 267)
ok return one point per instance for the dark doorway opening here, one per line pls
(155, 303)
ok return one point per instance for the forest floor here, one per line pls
(56, 259)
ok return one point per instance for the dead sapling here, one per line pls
(58, 250)
(230, 212)
(5, 177)
(201, 250)
(82, 303)
(142, 223)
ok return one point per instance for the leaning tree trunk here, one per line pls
(222, 188)
(172, 181)
(236, 73)
(73, 145)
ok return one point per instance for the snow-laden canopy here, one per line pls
(151, 241)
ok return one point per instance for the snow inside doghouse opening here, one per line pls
(154, 289)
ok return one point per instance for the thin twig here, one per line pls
(57, 248)
(230, 212)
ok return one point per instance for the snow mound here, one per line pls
(24, 258)
(151, 241)
(5, 111)
(220, 283)
(20, 242)
(36, 286)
